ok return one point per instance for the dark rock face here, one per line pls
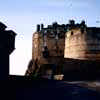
(32, 68)
(75, 69)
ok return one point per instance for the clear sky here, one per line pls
(22, 16)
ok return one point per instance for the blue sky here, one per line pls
(22, 16)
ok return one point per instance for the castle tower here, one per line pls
(82, 44)
(35, 46)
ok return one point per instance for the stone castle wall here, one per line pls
(80, 45)
(55, 48)
(76, 45)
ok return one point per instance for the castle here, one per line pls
(59, 46)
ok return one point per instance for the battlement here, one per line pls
(64, 27)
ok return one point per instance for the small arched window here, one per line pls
(71, 32)
(46, 52)
(82, 30)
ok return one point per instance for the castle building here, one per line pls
(71, 41)
(56, 44)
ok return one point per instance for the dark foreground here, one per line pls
(53, 90)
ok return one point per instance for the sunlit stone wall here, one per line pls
(35, 45)
(80, 45)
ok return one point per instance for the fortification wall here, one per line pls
(56, 48)
(80, 45)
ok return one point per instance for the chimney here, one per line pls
(83, 22)
(71, 22)
(38, 28)
(55, 25)
(42, 26)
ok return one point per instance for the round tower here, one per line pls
(82, 45)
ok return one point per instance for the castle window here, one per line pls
(45, 52)
(51, 35)
(82, 30)
(71, 32)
